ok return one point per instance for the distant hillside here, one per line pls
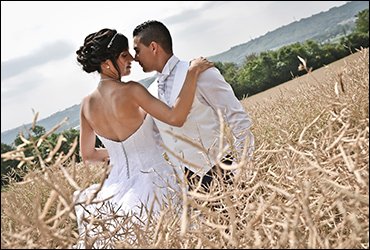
(72, 113)
(322, 27)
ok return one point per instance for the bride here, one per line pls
(116, 112)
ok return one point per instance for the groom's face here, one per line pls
(144, 55)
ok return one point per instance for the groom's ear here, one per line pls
(153, 46)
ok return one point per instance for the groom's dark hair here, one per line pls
(156, 31)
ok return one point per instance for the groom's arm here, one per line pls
(217, 93)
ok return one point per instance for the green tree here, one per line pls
(362, 22)
(287, 61)
(6, 165)
(34, 132)
(70, 135)
(360, 37)
(355, 41)
(228, 70)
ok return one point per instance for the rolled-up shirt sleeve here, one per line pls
(217, 93)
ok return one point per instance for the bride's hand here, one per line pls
(200, 64)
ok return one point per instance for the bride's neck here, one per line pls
(112, 77)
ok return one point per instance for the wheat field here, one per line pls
(307, 185)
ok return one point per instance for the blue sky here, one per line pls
(39, 39)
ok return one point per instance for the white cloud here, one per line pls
(39, 40)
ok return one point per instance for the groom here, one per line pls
(153, 47)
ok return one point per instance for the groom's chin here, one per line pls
(147, 71)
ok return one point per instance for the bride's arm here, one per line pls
(176, 115)
(88, 151)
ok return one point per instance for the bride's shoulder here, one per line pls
(132, 83)
(87, 98)
(134, 86)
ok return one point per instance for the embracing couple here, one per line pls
(138, 125)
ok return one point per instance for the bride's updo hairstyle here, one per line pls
(100, 46)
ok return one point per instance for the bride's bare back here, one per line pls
(111, 112)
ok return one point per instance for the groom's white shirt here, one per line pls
(202, 125)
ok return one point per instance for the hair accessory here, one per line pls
(111, 41)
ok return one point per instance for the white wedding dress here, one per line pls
(139, 176)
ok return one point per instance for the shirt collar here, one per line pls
(168, 67)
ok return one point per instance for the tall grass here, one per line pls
(307, 185)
